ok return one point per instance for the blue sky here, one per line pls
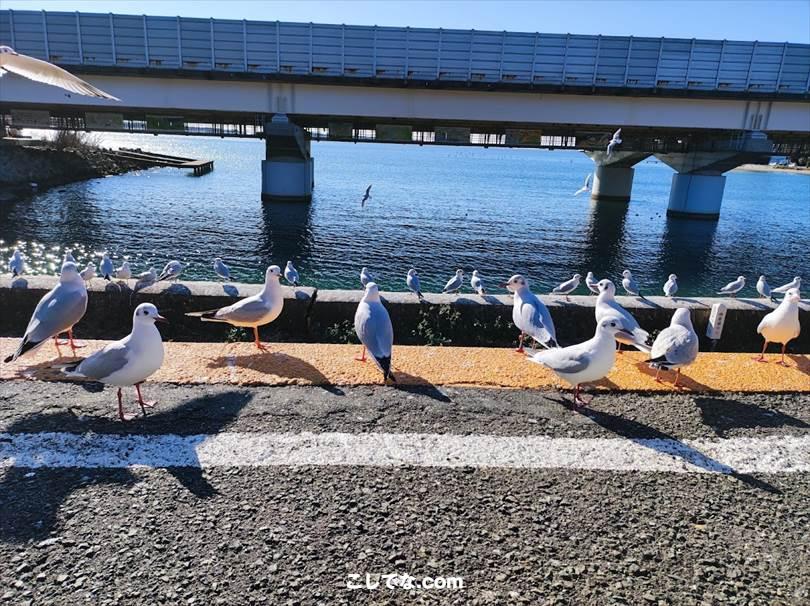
(774, 20)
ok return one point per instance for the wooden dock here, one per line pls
(199, 167)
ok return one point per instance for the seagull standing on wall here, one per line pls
(16, 263)
(614, 141)
(47, 73)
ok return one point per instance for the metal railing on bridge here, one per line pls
(408, 54)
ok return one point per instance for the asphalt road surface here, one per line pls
(299, 524)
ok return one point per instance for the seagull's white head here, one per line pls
(274, 271)
(90, 267)
(372, 292)
(577, 277)
(217, 260)
(589, 275)
(105, 256)
(290, 265)
(7, 50)
(626, 274)
(793, 295)
(741, 278)
(125, 264)
(364, 270)
(475, 272)
(606, 286)
(515, 283)
(69, 273)
(682, 317)
(762, 278)
(412, 272)
(613, 327)
(797, 279)
(673, 277)
(17, 254)
(147, 313)
(459, 272)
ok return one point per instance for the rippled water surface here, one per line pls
(500, 211)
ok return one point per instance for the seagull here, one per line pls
(16, 263)
(567, 287)
(614, 141)
(675, 346)
(607, 307)
(251, 312)
(124, 272)
(291, 274)
(763, 289)
(172, 271)
(129, 361)
(366, 276)
(592, 283)
(782, 324)
(47, 73)
(671, 286)
(68, 258)
(57, 312)
(630, 285)
(366, 196)
(222, 270)
(795, 283)
(529, 314)
(477, 284)
(584, 362)
(412, 280)
(454, 284)
(586, 186)
(107, 269)
(732, 288)
(373, 327)
(145, 279)
(89, 272)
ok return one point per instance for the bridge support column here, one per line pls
(696, 195)
(288, 170)
(613, 177)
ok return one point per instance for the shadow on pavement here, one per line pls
(278, 364)
(723, 414)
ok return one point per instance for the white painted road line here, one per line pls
(777, 454)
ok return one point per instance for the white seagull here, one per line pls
(529, 314)
(68, 258)
(794, 283)
(366, 276)
(251, 312)
(584, 362)
(782, 324)
(607, 307)
(476, 283)
(732, 288)
(107, 269)
(47, 73)
(454, 284)
(675, 346)
(172, 271)
(629, 284)
(129, 361)
(291, 274)
(373, 327)
(124, 272)
(89, 272)
(614, 141)
(764, 289)
(145, 279)
(592, 283)
(221, 270)
(412, 280)
(16, 263)
(586, 186)
(366, 196)
(57, 312)
(671, 286)
(567, 287)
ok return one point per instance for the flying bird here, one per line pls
(412, 280)
(221, 270)
(251, 312)
(584, 362)
(291, 274)
(586, 186)
(732, 288)
(57, 312)
(529, 314)
(781, 325)
(366, 196)
(476, 283)
(454, 284)
(373, 327)
(614, 141)
(129, 361)
(47, 73)
(675, 346)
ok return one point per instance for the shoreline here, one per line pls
(767, 168)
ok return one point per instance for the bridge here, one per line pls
(701, 106)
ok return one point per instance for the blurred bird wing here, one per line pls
(48, 73)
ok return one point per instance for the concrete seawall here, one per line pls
(312, 315)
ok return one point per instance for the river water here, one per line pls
(501, 211)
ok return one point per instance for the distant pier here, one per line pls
(199, 167)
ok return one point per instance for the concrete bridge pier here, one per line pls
(288, 172)
(696, 195)
(613, 176)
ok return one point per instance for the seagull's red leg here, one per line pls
(520, 347)
(579, 401)
(144, 404)
(657, 372)
(121, 414)
(677, 376)
(362, 357)
(761, 357)
(56, 344)
(619, 347)
(73, 344)
(782, 362)
(256, 339)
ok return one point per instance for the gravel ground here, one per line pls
(281, 535)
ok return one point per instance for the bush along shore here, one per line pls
(29, 166)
